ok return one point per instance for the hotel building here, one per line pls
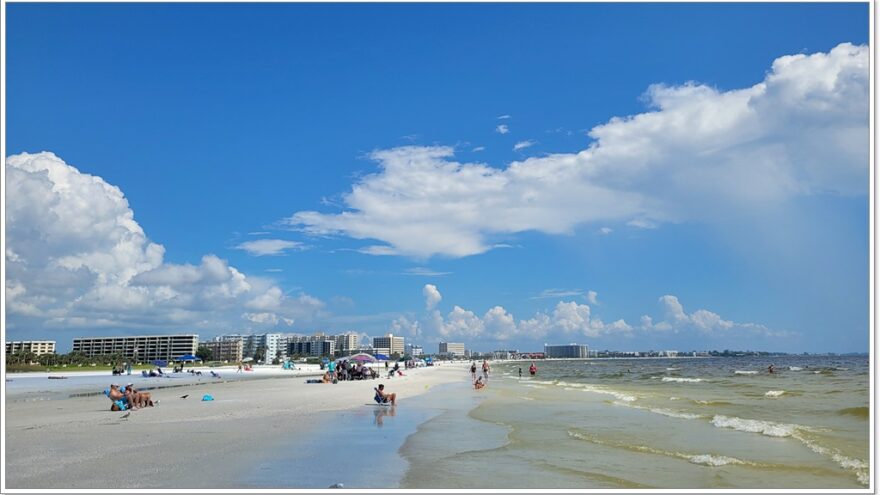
(566, 351)
(37, 347)
(394, 345)
(140, 348)
(225, 350)
(451, 348)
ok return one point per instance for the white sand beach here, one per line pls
(181, 443)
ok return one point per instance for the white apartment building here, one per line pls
(140, 348)
(37, 347)
(451, 348)
(394, 345)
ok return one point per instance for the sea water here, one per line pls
(654, 423)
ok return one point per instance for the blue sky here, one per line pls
(628, 176)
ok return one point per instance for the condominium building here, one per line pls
(395, 345)
(312, 347)
(414, 350)
(451, 348)
(140, 348)
(347, 343)
(36, 347)
(225, 350)
(566, 351)
(251, 343)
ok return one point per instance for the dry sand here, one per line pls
(180, 443)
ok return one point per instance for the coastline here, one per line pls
(187, 443)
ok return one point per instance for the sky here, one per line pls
(625, 176)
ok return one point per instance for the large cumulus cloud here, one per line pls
(700, 153)
(76, 257)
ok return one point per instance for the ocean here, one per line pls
(710, 423)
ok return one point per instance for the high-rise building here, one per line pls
(566, 351)
(140, 348)
(36, 347)
(451, 348)
(395, 345)
(414, 350)
(347, 343)
(225, 350)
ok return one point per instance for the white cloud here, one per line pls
(404, 326)
(432, 296)
(503, 117)
(479, 148)
(699, 154)
(555, 293)
(77, 258)
(502, 129)
(424, 272)
(592, 297)
(524, 144)
(268, 247)
(606, 230)
(270, 319)
(676, 319)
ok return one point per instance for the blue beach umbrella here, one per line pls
(188, 357)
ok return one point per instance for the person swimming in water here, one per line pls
(770, 369)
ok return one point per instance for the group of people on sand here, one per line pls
(348, 370)
(480, 381)
(127, 397)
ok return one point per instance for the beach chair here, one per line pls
(378, 398)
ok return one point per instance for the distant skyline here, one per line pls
(625, 176)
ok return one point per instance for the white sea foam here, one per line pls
(795, 368)
(701, 459)
(774, 393)
(714, 460)
(675, 414)
(755, 426)
(673, 398)
(745, 372)
(673, 369)
(586, 387)
(681, 380)
(857, 466)
(525, 398)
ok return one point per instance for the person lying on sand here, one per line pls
(385, 396)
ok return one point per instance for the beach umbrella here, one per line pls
(363, 358)
(381, 357)
(188, 357)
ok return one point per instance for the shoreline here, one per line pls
(73, 443)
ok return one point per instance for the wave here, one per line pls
(673, 369)
(713, 402)
(861, 412)
(665, 412)
(774, 393)
(710, 460)
(755, 426)
(681, 380)
(795, 368)
(586, 387)
(525, 398)
(744, 372)
(857, 466)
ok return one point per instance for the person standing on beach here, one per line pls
(486, 370)
(474, 371)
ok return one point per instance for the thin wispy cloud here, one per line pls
(479, 148)
(554, 293)
(424, 272)
(274, 270)
(524, 144)
(503, 117)
(269, 247)
(502, 129)
(606, 230)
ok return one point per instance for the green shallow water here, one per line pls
(712, 423)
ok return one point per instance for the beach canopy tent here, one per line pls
(381, 357)
(363, 358)
(160, 363)
(188, 357)
(247, 360)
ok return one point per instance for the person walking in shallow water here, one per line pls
(473, 371)
(486, 370)
(533, 369)
(520, 372)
